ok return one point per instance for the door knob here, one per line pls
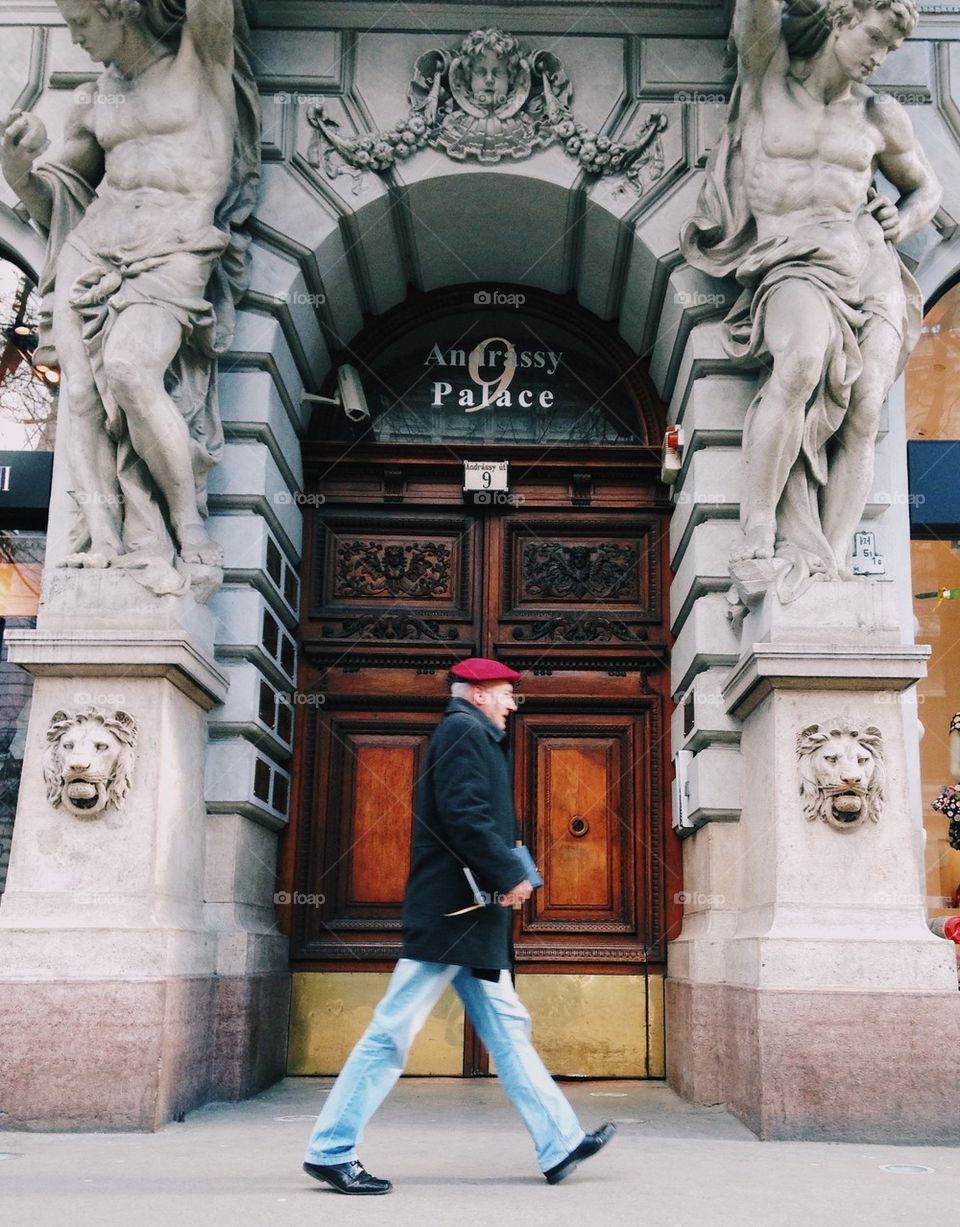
(578, 826)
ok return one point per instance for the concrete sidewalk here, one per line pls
(456, 1151)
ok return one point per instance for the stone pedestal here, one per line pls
(123, 1002)
(823, 1006)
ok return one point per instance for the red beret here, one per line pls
(480, 669)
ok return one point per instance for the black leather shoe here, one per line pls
(589, 1146)
(350, 1177)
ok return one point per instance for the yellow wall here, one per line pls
(587, 1026)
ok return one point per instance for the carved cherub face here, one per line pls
(489, 69)
(490, 78)
(90, 26)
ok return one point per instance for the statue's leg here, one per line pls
(143, 342)
(797, 330)
(93, 454)
(854, 455)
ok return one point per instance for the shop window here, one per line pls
(933, 425)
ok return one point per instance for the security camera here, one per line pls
(350, 396)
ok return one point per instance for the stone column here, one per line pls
(108, 985)
(835, 1015)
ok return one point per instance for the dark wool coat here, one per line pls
(463, 816)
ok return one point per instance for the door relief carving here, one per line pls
(578, 572)
(366, 569)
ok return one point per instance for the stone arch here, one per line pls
(323, 261)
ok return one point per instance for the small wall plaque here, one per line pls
(480, 475)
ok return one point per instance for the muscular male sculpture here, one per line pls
(789, 207)
(141, 204)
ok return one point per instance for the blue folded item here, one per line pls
(530, 871)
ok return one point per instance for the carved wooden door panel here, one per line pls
(585, 792)
(392, 602)
(579, 609)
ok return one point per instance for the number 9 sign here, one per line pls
(499, 383)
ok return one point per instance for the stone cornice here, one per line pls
(707, 18)
(620, 17)
(815, 666)
(667, 18)
(102, 654)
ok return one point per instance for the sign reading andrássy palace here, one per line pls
(495, 375)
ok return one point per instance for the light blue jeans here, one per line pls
(377, 1061)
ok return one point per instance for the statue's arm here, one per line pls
(757, 33)
(905, 164)
(23, 138)
(209, 29)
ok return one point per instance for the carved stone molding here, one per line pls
(89, 760)
(489, 99)
(841, 773)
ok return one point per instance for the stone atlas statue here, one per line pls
(790, 209)
(144, 204)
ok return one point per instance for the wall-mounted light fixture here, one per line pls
(21, 342)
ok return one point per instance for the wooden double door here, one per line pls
(568, 592)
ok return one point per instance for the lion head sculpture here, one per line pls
(89, 760)
(841, 773)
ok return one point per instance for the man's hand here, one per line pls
(888, 215)
(23, 137)
(520, 894)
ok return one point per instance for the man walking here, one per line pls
(464, 818)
